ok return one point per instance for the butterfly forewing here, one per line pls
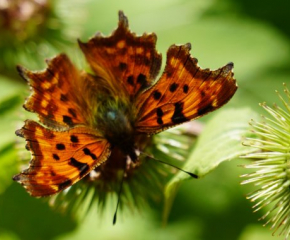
(183, 93)
(55, 93)
(59, 159)
(124, 58)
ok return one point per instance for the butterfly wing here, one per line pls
(70, 148)
(55, 93)
(60, 158)
(129, 61)
(184, 92)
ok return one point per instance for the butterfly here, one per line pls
(86, 117)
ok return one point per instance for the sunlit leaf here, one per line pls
(8, 166)
(220, 141)
(10, 103)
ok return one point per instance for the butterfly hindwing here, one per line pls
(123, 57)
(59, 158)
(184, 92)
(54, 92)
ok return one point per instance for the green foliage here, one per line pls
(9, 105)
(220, 141)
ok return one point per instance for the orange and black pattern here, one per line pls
(86, 117)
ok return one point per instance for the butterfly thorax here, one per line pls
(115, 119)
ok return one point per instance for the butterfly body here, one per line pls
(89, 119)
(116, 121)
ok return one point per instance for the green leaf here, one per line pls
(10, 105)
(8, 166)
(220, 141)
(9, 113)
(10, 87)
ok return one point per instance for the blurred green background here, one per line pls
(255, 35)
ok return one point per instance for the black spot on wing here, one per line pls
(64, 184)
(205, 109)
(159, 121)
(156, 95)
(68, 120)
(159, 112)
(63, 98)
(74, 139)
(141, 79)
(173, 87)
(82, 167)
(55, 156)
(88, 152)
(130, 80)
(60, 146)
(93, 156)
(185, 88)
(122, 66)
(178, 116)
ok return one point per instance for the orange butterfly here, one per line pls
(88, 117)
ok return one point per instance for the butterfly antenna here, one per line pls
(166, 163)
(119, 195)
